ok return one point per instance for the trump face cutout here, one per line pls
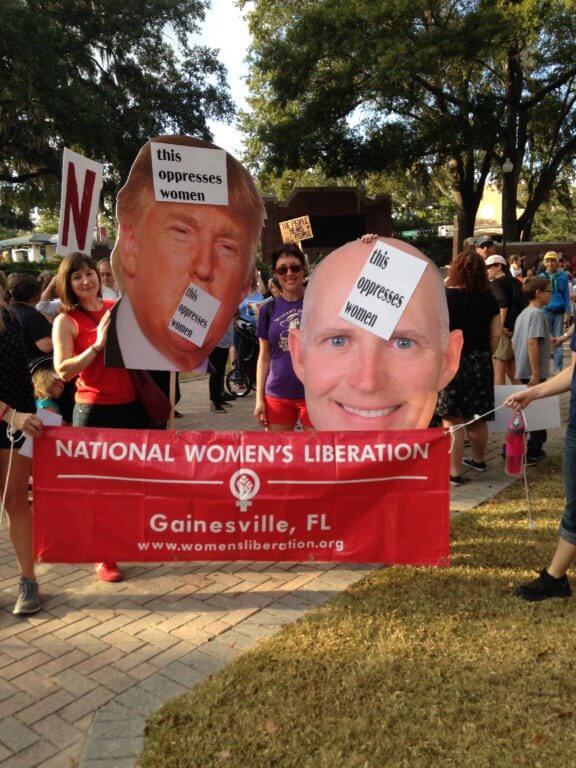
(355, 380)
(162, 248)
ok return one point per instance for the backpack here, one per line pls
(519, 303)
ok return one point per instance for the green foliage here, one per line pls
(32, 268)
(282, 185)
(101, 78)
(362, 86)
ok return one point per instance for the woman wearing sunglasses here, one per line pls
(279, 393)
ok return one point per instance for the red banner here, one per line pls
(377, 497)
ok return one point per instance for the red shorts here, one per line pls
(284, 410)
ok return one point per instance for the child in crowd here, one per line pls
(48, 388)
(532, 347)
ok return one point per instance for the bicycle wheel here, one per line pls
(238, 384)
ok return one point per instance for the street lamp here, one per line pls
(507, 167)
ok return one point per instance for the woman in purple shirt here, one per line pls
(279, 393)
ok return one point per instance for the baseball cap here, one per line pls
(482, 241)
(496, 259)
(550, 256)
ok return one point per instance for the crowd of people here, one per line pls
(509, 321)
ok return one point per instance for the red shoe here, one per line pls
(108, 572)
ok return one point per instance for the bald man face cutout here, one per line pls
(355, 380)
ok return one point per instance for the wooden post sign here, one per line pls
(296, 230)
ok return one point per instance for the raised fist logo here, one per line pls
(244, 485)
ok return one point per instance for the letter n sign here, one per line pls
(81, 184)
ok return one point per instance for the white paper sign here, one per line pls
(541, 414)
(194, 314)
(383, 289)
(49, 419)
(189, 174)
(79, 199)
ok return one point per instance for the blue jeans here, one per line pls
(568, 524)
(556, 323)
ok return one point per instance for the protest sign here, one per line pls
(154, 496)
(79, 199)
(383, 289)
(166, 250)
(540, 414)
(296, 230)
(189, 174)
(49, 419)
(194, 314)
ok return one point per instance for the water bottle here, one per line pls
(515, 446)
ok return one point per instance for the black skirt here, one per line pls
(471, 391)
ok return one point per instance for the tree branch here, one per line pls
(9, 179)
(552, 85)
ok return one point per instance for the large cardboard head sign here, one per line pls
(374, 347)
(189, 220)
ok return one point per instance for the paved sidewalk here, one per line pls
(78, 680)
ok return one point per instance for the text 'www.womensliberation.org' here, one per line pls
(246, 545)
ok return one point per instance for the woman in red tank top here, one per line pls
(105, 397)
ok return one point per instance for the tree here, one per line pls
(554, 220)
(379, 85)
(100, 77)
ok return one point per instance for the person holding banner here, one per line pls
(552, 581)
(279, 393)
(105, 397)
(353, 378)
(17, 419)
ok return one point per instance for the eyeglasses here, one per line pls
(294, 268)
(486, 245)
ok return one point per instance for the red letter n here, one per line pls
(80, 212)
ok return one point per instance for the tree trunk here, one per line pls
(510, 228)
(466, 218)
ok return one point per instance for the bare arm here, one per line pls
(48, 292)
(22, 422)
(66, 364)
(503, 315)
(262, 370)
(44, 345)
(555, 386)
(534, 358)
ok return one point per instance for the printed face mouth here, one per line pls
(369, 413)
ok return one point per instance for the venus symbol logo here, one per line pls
(244, 485)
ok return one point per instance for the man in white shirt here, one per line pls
(108, 284)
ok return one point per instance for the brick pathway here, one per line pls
(78, 680)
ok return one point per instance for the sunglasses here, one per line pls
(294, 268)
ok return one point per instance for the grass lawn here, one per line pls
(409, 667)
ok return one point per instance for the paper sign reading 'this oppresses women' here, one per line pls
(189, 174)
(194, 314)
(383, 289)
